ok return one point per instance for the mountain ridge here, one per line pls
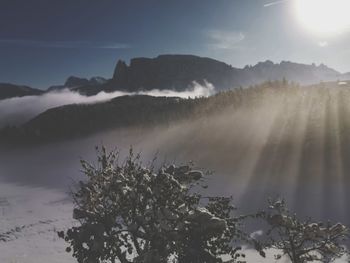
(8, 90)
(177, 72)
(74, 83)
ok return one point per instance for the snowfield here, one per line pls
(30, 218)
(28, 224)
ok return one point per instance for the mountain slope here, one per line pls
(301, 73)
(10, 90)
(78, 120)
(174, 72)
(82, 85)
(178, 71)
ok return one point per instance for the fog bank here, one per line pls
(15, 111)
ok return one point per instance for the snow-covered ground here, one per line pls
(28, 224)
(30, 218)
(30, 215)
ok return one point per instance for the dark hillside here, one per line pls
(10, 90)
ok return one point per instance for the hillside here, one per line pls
(10, 90)
(79, 120)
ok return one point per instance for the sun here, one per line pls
(324, 17)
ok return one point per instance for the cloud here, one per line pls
(224, 39)
(323, 44)
(196, 90)
(17, 110)
(275, 3)
(63, 44)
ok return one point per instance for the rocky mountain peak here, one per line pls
(73, 81)
(120, 70)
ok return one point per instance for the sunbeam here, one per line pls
(299, 152)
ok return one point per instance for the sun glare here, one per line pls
(324, 17)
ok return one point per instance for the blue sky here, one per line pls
(42, 42)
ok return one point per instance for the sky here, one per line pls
(43, 42)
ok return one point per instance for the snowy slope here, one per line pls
(28, 224)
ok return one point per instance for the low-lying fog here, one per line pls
(296, 146)
(15, 111)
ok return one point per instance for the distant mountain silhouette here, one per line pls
(177, 72)
(10, 90)
(76, 83)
